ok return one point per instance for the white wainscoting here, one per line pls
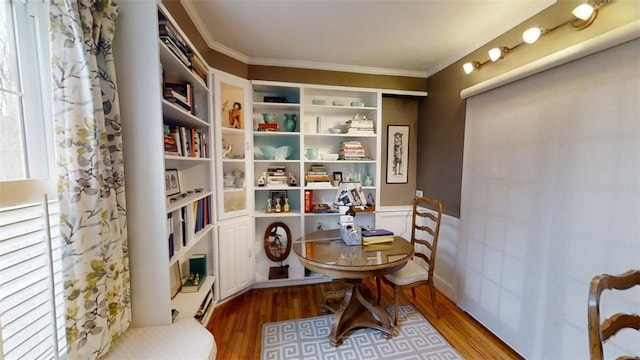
(398, 220)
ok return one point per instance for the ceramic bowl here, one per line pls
(335, 130)
(266, 152)
(357, 104)
(330, 157)
(269, 118)
(338, 103)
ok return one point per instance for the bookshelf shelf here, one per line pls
(184, 201)
(180, 254)
(189, 303)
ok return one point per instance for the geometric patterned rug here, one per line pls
(307, 339)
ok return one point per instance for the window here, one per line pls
(31, 291)
(26, 149)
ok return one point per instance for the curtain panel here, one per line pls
(91, 185)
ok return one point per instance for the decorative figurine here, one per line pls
(226, 149)
(286, 204)
(262, 179)
(292, 179)
(278, 208)
(268, 205)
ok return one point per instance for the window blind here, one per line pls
(31, 287)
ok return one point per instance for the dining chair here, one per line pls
(426, 217)
(601, 331)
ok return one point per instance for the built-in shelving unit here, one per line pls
(170, 189)
(320, 111)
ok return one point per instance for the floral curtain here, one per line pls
(91, 175)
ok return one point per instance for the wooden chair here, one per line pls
(599, 332)
(424, 237)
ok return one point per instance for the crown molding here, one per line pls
(214, 45)
(336, 67)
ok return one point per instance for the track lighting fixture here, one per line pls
(583, 16)
(532, 35)
(470, 67)
(497, 53)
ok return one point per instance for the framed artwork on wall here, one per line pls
(397, 154)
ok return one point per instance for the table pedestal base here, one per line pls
(355, 311)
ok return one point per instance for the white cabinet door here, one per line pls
(235, 256)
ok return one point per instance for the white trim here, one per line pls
(337, 67)
(19, 192)
(405, 93)
(604, 41)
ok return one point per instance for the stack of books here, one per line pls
(361, 126)
(277, 177)
(317, 176)
(199, 67)
(180, 94)
(181, 141)
(377, 236)
(352, 150)
(174, 41)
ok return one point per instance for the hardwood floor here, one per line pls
(237, 323)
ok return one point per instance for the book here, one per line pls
(198, 265)
(377, 232)
(175, 134)
(369, 240)
(170, 232)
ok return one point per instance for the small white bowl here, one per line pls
(334, 131)
(330, 157)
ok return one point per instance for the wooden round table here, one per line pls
(325, 253)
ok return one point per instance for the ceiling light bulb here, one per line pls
(531, 35)
(495, 54)
(583, 11)
(469, 67)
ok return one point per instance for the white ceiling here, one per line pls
(411, 38)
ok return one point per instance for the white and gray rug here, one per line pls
(308, 339)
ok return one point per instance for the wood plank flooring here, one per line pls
(237, 323)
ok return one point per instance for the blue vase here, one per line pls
(290, 122)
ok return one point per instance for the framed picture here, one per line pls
(175, 279)
(172, 182)
(397, 154)
(337, 175)
(278, 195)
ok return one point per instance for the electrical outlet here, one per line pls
(418, 193)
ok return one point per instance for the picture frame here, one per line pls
(337, 175)
(172, 182)
(397, 154)
(278, 194)
(175, 279)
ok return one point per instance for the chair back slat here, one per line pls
(600, 332)
(427, 215)
(618, 322)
